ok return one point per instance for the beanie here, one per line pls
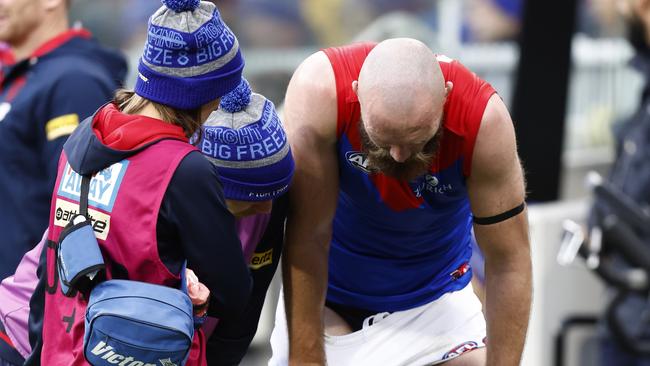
(190, 57)
(245, 140)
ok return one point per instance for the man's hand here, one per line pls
(198, 293)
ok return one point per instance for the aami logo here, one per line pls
(103, 185)
(260, 260)
(459, 350)
(66, 210)
(358, 160)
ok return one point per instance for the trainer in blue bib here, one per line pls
(125, 321)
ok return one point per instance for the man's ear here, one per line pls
(53, 4)
(355, 87)
(448, 86)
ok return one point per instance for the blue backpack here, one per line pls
(125, 321)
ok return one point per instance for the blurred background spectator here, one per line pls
(53, 77)
(492, 20)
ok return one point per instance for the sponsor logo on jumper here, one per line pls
(260, 260)
(246, 143)
(459, 350)
(358, 160)
(103, 185)
(106, 352)
(460, 271)
(65, 211)
(431, 184)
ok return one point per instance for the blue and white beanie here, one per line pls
(244, 138)
(190, 57)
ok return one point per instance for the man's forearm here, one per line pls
(508, 298)
(305, 284)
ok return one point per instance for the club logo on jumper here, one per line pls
(66, 210)
(459, 350)
(460, 271)
(431, 183)
(103, 185)
(260, 260)
(106, 352)
(358, 160)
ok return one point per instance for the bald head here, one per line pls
(401, 88)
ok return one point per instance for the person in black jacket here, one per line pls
(630, 174)
(60, 76)
(245, 140)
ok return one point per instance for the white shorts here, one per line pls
(426, 335)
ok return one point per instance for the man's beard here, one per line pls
(379, 159)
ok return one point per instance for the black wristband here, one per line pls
(500, 217)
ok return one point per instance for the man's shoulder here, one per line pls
(311, 100)
(315, 75)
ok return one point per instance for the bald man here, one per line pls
(399, 155)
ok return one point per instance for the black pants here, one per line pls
(353, 316)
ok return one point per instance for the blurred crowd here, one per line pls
(312, 24)
(322, 23)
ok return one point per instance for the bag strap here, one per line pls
(83, 210)
(184, 278)
(83, 196)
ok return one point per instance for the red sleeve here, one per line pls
(465, 106)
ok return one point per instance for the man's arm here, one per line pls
(310, 121)
(496, 185)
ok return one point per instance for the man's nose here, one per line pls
(400, 154)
